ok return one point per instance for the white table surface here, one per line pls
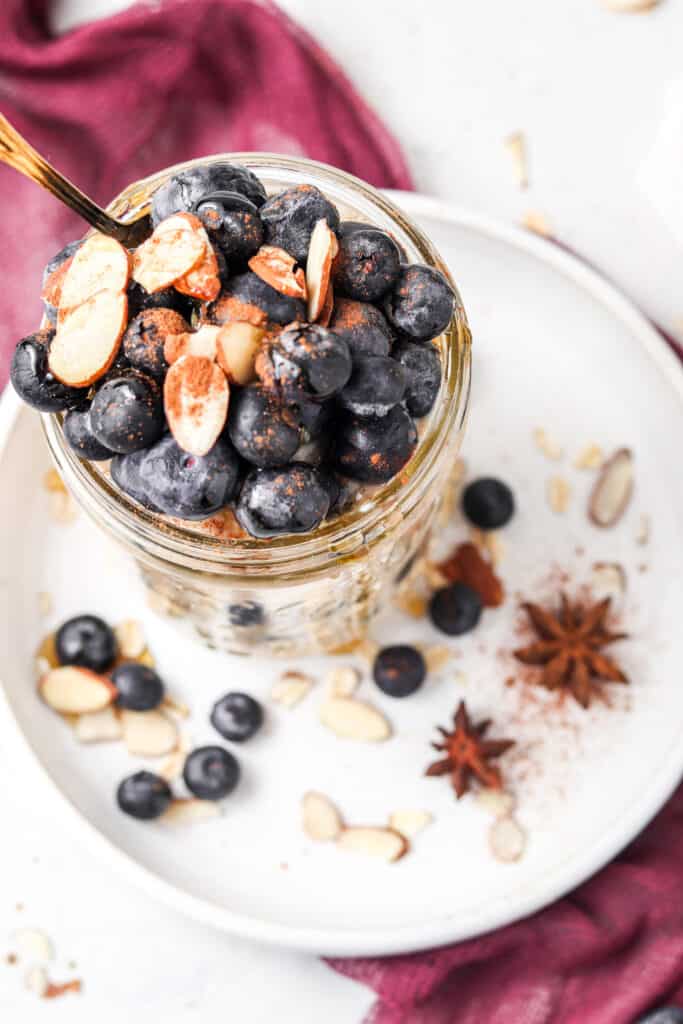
(452, 80)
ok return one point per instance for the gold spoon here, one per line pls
(20, 154)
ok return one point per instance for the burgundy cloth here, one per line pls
(118, 99)
(115, 100)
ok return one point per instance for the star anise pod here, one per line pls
(468, 753)
(569, 647)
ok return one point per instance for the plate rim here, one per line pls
(390, 940)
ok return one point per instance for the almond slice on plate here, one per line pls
(98, 726)
(613, 489)
(277, 268)
(196, 396)
(203, 281)
(88, 339)
(148, 733)
(354, 720)
(237, 346)
(174, 248)
(321, 819)
(190, 811)
(321, 252)
(507, 840)
(327, 310)
(201, 342)
(52, 289)
(72, 690)
(100, 264)
(385, 843)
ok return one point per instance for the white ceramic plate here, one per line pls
(554, 347)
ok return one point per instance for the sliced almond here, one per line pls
(409, 822)
(589, 457)
(547, 444)
(608, 580)
(172, 768)
(321, 253)
(196, 396)
(190, 811)
(148, 733)
(99, 264)
(88, 339)
(201, 342)
(175, 706)
(321, 819)
(33, 944)
(291, 688)
(342, 681)
(507, 840)
(538, 223)
(174, 248)
(354, 720)
(559, 493)
(130, 639)
(237, 346)
(98, 727)
(203, 281)
(385, 843)
(37, 981)
(72, 690)
(497, 802)
(630, 6)
(613, 489)
(436, 657)
(516, 147)
(277, 268)
(327, 310)
(52, 289)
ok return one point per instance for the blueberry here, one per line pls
(86, 641)
(165, 298)
(420, 303)
(455, 609)
(177, 483)
(399, 670)
(233, 222)
(422, 364)
(290, 216)
(54, 264)
(247, 297)
(306, 360)
(294, 499)
(663, 1015)
(367, 264)
(125, 472)
(143, 342)
(363, 328)
(313, 416)
(139, 687)
(79, 436)
(144, 795)
(373, 449)
(263, 431)
(488, 503)
(246, 614)
(185, 189)
(211, 772)
(237, 716)
(126, 413)
(375, 386)
(32, 379)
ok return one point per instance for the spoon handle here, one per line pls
(19, 154)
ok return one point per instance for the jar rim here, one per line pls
(339, 538)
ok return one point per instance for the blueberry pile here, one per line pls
(289, 358)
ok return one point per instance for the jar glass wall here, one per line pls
(295, 594)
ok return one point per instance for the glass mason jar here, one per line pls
(299, 594)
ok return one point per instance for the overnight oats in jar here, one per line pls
(262, 403)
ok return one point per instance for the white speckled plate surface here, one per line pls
(554, 347)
